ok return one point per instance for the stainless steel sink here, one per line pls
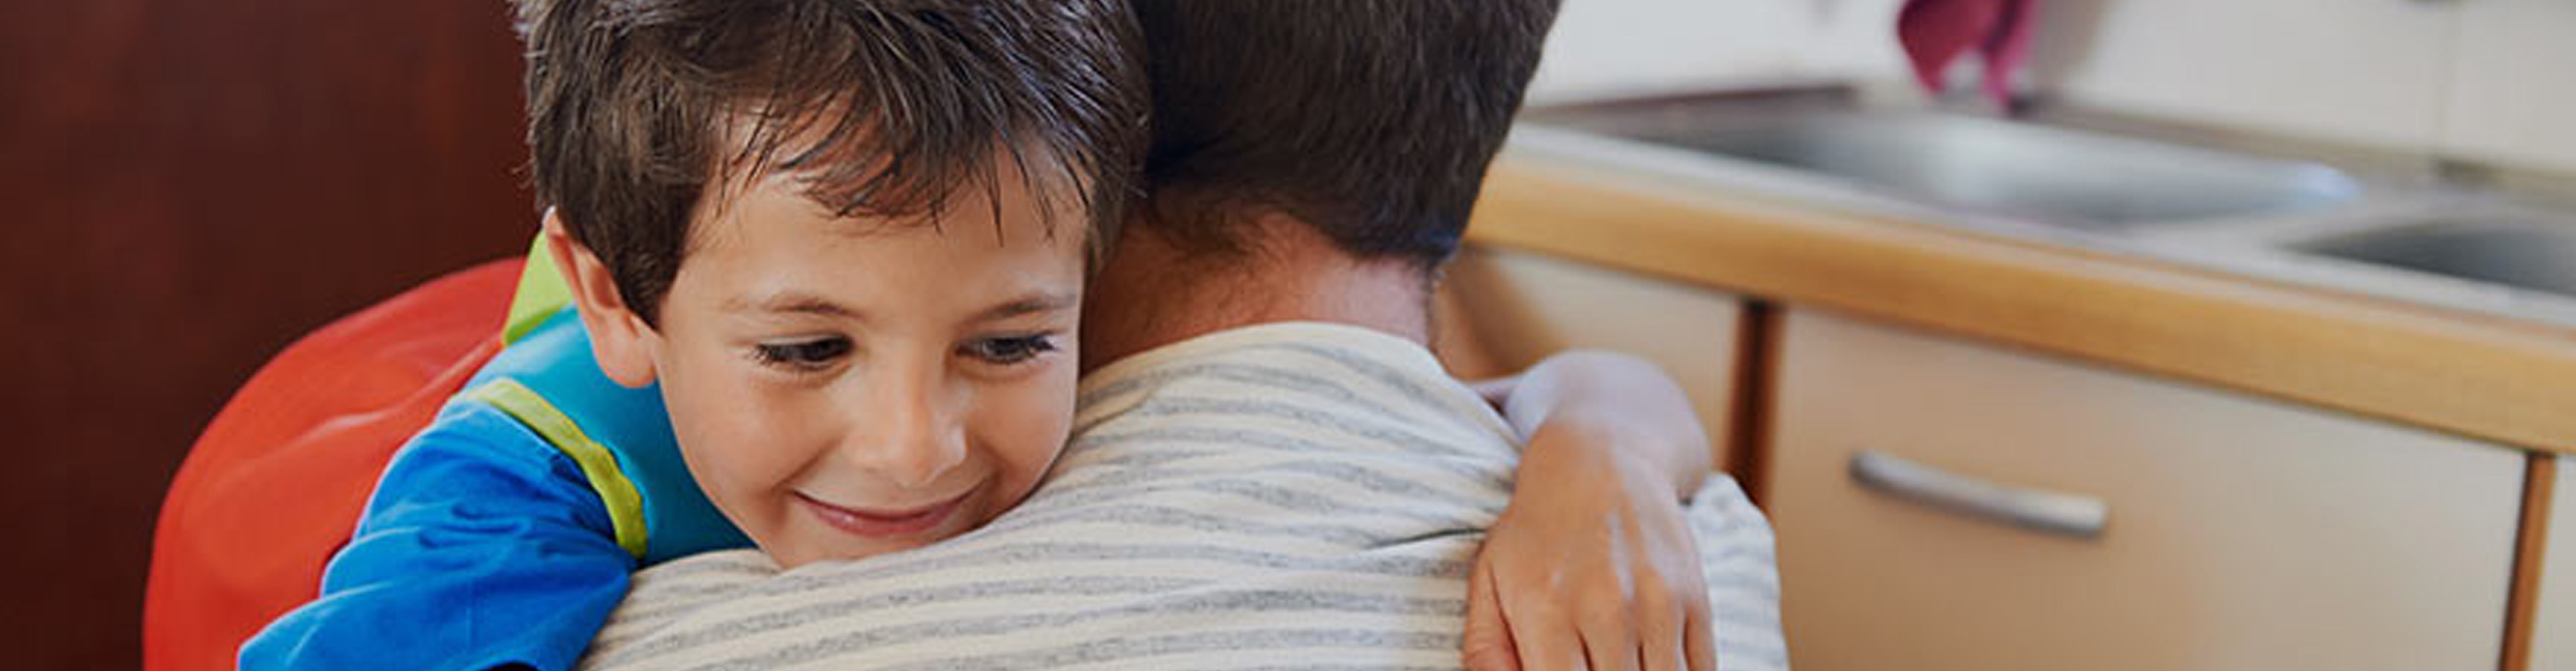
(2001, 168)
(2396, 226)
(2526, 252)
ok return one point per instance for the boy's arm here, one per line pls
(1607, 400)
(1592, 563)
(473, 554)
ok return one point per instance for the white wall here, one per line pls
(2491, 80)
(1611, 47)
(2513, 95)
(2367, 71)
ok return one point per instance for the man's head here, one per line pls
(1370, 121)
(846, 237)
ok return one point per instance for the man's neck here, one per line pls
(1152, 294)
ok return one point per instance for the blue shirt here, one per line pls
(486, 544)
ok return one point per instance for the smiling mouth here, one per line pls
(883, 523)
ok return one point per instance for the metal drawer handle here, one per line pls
(2052, 512)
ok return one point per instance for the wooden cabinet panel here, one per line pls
(2241, 534)
(2553, 646)
(1520, 307)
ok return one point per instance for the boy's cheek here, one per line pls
(1034, 421)
(738, 442)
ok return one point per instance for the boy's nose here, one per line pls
(910, 436)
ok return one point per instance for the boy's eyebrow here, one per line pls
(790, 302)
(1043, 302)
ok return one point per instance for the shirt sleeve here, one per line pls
(482, 547)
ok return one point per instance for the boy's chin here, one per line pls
(789, 558)
(818, 541)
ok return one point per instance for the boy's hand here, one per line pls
(1590, 567)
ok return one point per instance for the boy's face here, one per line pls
(845, 388)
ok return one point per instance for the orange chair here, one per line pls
(275, 485)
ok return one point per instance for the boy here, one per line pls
(825, 257)
(823, 298)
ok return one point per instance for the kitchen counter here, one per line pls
(2475, 374)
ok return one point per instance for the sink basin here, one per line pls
(2519, 252)
(2216, 200)
(2027, 171)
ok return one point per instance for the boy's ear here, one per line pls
(619, 338)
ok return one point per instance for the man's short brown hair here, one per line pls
(881, 107)
(1370, 121)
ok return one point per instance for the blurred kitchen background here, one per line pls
(193, 185)
(198, 183)
(2483, 80)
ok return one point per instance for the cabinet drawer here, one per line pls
(1522, 307)
(2553, 641)
(2241, 533)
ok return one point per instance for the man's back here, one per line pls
(1286, 495)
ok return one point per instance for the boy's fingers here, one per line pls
(1545, 640)
(1487, 644)
(1699, 638)
(1610, 642)
(1564, 653)
(1662, 641)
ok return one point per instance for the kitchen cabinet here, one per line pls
(1521, 307)
(2240, 532)
(2553, 646)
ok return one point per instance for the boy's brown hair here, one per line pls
(881, 107)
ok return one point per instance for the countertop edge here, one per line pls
(2483, 377)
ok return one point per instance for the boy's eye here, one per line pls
(802, 354)
(1010, 350)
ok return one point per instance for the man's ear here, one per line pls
(619, 338)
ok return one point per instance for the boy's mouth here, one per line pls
(884, 523)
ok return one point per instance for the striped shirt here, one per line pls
(1285, 496)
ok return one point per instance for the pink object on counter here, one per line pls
(1936, 32)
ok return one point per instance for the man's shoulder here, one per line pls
(1254, 339)
(1294, 407)
(1345, 365)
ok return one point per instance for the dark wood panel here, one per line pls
(192, 184)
